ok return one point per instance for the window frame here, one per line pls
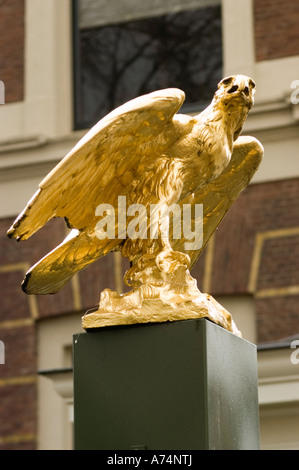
(78, 123)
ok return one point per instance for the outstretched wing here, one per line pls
(102, 165)
(218, 196)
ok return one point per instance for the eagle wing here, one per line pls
(218, 195)
(101, 166)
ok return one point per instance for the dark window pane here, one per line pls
(116, 63)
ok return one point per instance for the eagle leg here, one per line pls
(168, 260)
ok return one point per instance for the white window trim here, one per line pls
(47, 106)
(92, 14)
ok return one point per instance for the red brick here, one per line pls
(261, 207)
(95, 278)
(14, 303)
(18, 410)
(279, 266)
(277, 317)
(12, 49)
(276, 28)
(20, 351)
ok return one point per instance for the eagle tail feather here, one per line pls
(55, 269)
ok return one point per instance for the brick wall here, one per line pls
(18, 315)
(18, 387)
(255, 251)
(12, 49)
(276, 28)
(16, 258)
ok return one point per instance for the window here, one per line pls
(124, 49)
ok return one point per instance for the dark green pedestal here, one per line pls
(182, 385)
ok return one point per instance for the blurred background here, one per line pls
(64, 65)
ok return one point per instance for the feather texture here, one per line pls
(149, 154)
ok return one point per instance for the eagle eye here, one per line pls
(227, 81)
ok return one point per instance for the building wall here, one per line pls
(12, 49)
(255, 253)
(251, 264)
(276, 29)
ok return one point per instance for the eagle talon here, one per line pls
(170, 260)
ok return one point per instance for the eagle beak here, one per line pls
(240, 84)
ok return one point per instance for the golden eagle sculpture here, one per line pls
(143, 158)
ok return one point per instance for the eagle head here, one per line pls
(236, 90)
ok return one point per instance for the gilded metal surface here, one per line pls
(150, 155)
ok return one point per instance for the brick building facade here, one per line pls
(254, 253)
(12, 47)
